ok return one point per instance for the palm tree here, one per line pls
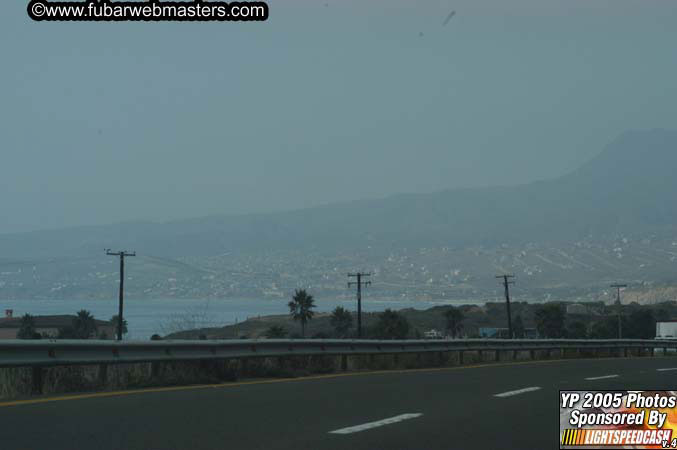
(114, 323)
(392, 325)
(27, 328)
(454, 318)
(301, 308)
(341, 320)
(550, 320)
(84, 325)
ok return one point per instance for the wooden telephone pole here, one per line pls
(359, 283)
(122, 255)
(506, 283)
(618, 302)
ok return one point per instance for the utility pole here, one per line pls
(618, 302)
(359, 284)
(506, 283)
(122, 255)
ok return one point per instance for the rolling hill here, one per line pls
(626, 192)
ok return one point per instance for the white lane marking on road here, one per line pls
(517, 392)
(378, 423)
(666, 369)
(602, 377)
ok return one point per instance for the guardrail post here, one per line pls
(653, 352)
(532, 354)
(479, 353)
(460, 357)
(344, 362)
(103, 374)
(498, 355)
(514, 355)
(395, 360)
(36, 379)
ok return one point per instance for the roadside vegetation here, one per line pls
(82, 326)
(550, 320)
(342, 322)
(301, 308)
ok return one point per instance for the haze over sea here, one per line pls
(163, 316)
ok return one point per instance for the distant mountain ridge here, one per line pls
(630, 187)
(612, 219)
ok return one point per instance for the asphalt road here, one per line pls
(453, 408)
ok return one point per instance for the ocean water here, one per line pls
(164, 316)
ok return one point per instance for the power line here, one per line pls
(122, 255)
(618, 302)
(359, 284)
(506, 284)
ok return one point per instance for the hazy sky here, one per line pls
(108, 122)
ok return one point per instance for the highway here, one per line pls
(496, 406)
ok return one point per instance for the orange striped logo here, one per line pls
(573, 437)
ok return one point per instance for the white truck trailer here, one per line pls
(666, 329)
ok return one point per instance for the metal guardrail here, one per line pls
(44, 353)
